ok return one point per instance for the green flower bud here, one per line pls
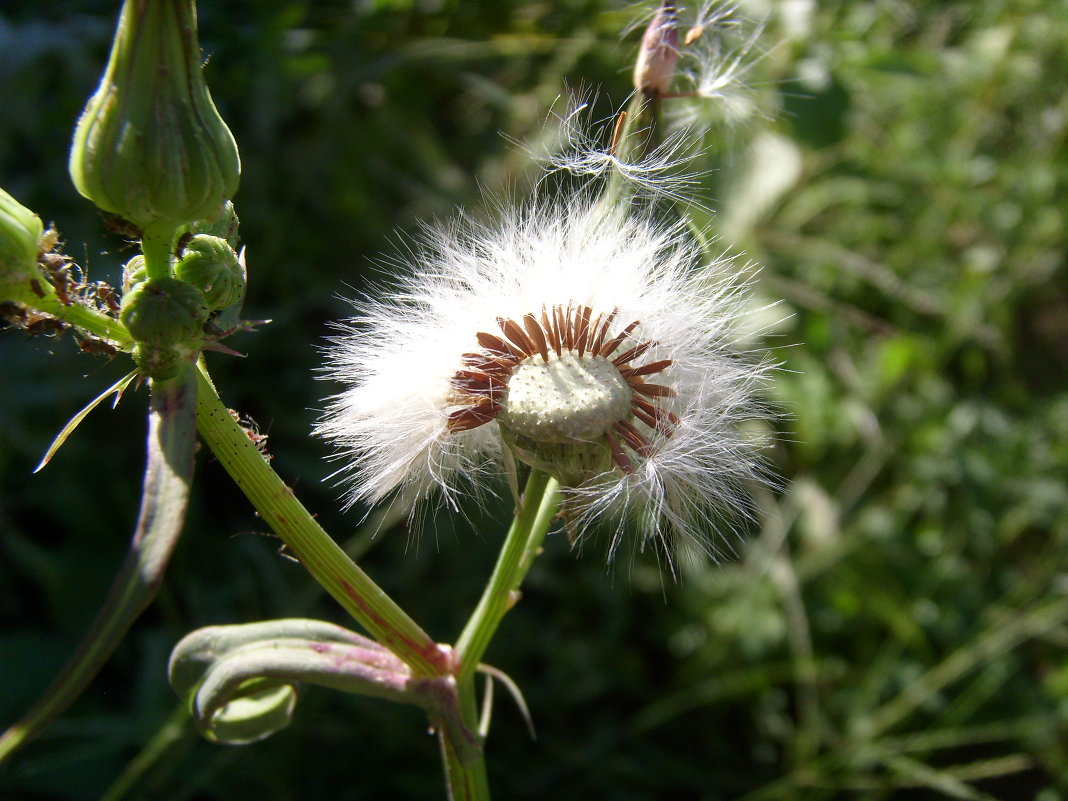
(20, 238)
(158, 361)
(209, 263)
(224, 224)
(165, 312)
(150, 145)
(133, 273)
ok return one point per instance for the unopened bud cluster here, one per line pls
(151, 147)
(166, 315)
(223, 223)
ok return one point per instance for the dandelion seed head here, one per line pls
(593, 344)
(565, 398)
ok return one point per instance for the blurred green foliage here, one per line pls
(896, 625)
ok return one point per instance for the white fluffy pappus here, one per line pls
(666, 172)
(593, 344)
(720, 51)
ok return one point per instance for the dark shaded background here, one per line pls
(895, 627)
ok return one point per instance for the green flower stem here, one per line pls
(322, 557)
(156, 245)
(540, 503)
(465, 769)
(96, 323)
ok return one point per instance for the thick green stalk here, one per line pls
(307, 540)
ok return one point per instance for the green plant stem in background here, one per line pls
(173, 736)
(307, 540)
(168, 474)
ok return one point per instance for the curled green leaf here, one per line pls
(240, 682)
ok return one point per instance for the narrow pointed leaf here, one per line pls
(513, 690)
(169, 470)
(115, 389)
